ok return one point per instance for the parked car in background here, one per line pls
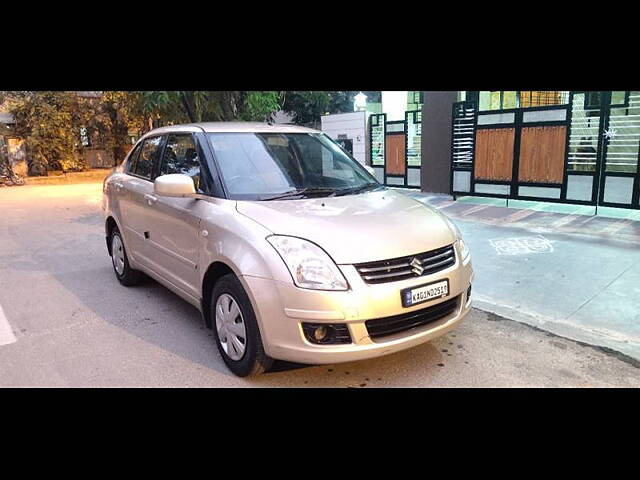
(289, 247)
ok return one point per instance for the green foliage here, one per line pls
(261, 106)
(306, 106)
(173, 107)
(50, 122)
(373, 96)
(120, 113)
(45, 121)
(309, 106)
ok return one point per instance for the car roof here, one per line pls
(231, 127)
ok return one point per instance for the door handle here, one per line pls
(151, 199)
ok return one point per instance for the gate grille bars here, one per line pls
(583, 152)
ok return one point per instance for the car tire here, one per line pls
(126, 275)
(228, 328)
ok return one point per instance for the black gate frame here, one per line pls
(602, 168)
(405, 131)
(462, 119)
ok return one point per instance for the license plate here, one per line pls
(424, 293)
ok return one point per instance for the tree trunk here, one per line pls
(119, 152)
(187, 107)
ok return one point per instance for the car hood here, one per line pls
(360, 228)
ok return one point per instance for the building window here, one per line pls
(543, 98)
(510, 99)
(620, 99)
(592, 100)
(504, 100)
(495, 100)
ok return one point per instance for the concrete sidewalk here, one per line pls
(571, 274)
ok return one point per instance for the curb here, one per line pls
(561, 328)
(79, 177)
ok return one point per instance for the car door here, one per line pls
(174, 222)
(135, 198)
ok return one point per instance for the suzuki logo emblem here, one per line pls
(416, 266)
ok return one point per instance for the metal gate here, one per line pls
(396, 149)
(583, 151)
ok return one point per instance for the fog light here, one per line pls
(326, 333)
(320, 333)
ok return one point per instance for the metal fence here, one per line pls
(583, 149)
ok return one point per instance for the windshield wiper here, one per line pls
(301, 192)
(361, 188)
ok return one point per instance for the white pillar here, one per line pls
(394, 104)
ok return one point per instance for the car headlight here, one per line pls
(464, 249)
(309, 265)
(462, 245)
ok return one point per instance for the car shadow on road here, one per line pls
(159, 317)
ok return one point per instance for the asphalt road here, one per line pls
(66, 321)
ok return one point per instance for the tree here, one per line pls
(309, 106)
(261, 106)
(306, 106)
(7, 175)
(45, 121)
(57, 125)
(171, 107)
(125, 113)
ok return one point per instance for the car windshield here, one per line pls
(275, 166)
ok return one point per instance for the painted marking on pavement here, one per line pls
(564, 220)
(522, 245)
(475, 209)
(619, 225)
(6, 334)
(516, 217)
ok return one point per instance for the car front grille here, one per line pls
(381, 327)
(407, 267)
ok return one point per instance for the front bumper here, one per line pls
(281, 308)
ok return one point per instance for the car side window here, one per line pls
(131, 162)
(181, 156)
(144, 165)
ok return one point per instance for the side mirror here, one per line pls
(174, 185)
(370, 169)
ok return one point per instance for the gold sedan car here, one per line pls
(289, 247)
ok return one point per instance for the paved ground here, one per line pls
(570, 273)
(67, 322)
